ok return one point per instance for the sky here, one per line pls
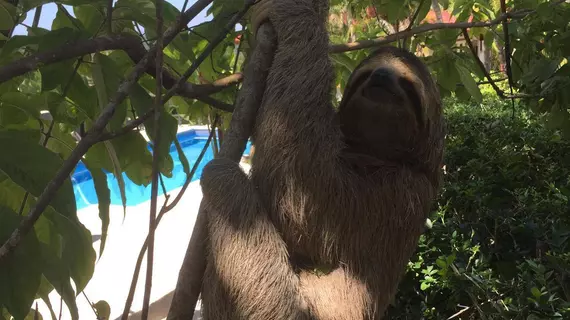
(49, 11)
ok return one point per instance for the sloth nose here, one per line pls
(382, 77)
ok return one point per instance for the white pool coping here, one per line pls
(113, 271)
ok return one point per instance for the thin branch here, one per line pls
(490, 80)
(241, 127)
(37, 16)
(364, 44)
(184, 5)
(480, 64)
(155, 158)
(414, 17)
(165, 209)
(50, 129)
(129, 43)
(110, 16)
(508, 53)
(182, 80)
(92, 135)
(209, 48)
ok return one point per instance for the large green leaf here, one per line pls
(28, 103)
(20, 162)
(78, 254)
(103, 200)
(57, 74)
(134, 157)
(43, 293)
(56, 271)
(118, 171)
(30, 4)
(107, 79)
(103, 155)
(143, 103)
(63, 110)
(91, 16)
(470, 84)
(7, 15)
(16, 42)
(447, 74)
(20, 274)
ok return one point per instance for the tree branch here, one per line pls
(500, 92)
(110, 16)
(158, 106)
(163, 211)
(338, 48)
(135, 50)
(92, 135)
(507, 51)
(241, 127)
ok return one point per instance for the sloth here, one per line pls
(332, 210)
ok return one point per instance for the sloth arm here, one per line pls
(249, 256)
(296, 129)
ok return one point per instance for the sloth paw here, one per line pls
(260, 14)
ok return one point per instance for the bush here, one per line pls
(496, 246)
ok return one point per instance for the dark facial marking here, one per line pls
(415, 100)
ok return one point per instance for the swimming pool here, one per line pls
(192, 143)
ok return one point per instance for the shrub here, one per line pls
(496, 246)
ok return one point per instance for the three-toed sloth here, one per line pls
(336, 200)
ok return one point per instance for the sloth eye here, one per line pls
(355, 83)
(414, 97)
(361, 78)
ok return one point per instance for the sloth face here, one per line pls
(387, 105)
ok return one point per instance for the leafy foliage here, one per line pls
(499, 238)
(505, 179)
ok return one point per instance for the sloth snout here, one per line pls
(382, 77)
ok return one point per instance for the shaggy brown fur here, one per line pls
(336, 202)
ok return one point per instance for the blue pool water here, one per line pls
(192, 143)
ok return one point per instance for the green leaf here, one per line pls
(536, 292)
(78, 254)
(30, 4)
(65, 20)
(182, 157)
(16, 42)
(143, 103)
(20, 274)
(7, 15)
(91, 17)
(62, 110)
(83, 96)
(57, 74)
(20, 163)
(56, 271)
(43, 293)
(27, 103)
(104, 201)
(448, 75)
(470, 84)
(107, 80)
(103, 309)
(135, 157)
(34, 315)
(118, 172)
